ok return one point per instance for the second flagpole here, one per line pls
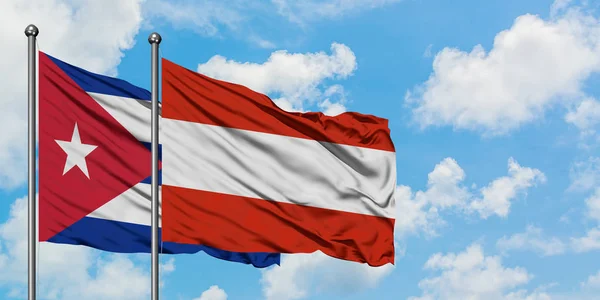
(154, 39)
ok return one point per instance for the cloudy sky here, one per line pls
(493, 106)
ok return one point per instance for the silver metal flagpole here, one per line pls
(154, 39)
(31, 32)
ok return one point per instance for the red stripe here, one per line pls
(190, 96)
(240, 224)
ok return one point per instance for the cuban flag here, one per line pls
(95, 165)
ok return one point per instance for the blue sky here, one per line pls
(493, 111)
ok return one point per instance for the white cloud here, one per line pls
(427, 53)
(592, 283)
(212, 18)
(331, 109)
(66, 271)
(300, 275)
(213, 293)
(73, 31)
(497, 195)
(585, 175)
(472, 275)
(335, 98)
(201, 16)
(559, 6)
(310, 10)
(524, 295)
(443, 185)
(589, 242)
(586, 115)
(245, 18)
(168, 266)
(420, 211)
(593, 205)
(418, 215)
(532, 66)
(588, 291)
(117, 278)
(294, 88)
(262, 43)
(532, 239)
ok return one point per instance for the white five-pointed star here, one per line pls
(76, 152)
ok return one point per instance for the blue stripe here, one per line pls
(96, 83)
(124, 237)
(149, 178)
(148, 146)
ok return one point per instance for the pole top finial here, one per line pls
(154, 38)
(31, 30)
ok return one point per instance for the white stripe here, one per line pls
(280, 168)
(131, 113)
(132, 206)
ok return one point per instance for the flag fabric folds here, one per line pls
(240, 174)
(94, 165)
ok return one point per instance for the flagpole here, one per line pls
(31, 32)
(154, 39)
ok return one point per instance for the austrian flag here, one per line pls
(240, 174)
